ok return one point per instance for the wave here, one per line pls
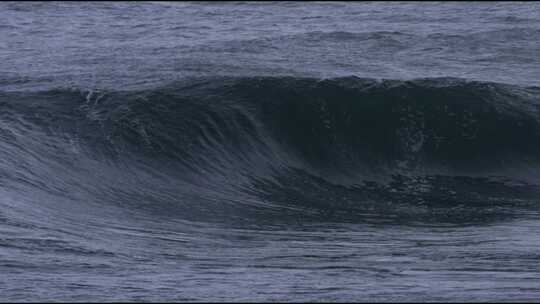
(262, 136)
(332, 124)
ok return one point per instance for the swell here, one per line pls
(266, 140)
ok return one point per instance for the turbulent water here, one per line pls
(269, 151)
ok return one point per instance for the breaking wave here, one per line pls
(328, 146)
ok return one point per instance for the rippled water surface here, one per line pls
(276, 151)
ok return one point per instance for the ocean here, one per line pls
(269, 151)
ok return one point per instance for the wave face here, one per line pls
(331, 124)
(278, 142)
